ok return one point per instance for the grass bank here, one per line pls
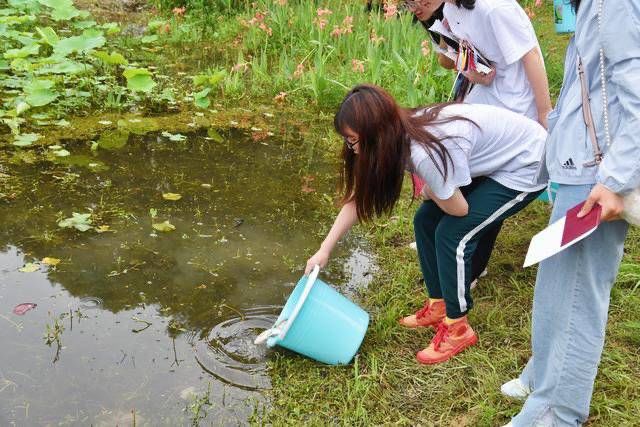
(385, 385)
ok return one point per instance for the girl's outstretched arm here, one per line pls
(534, 68)
(343, 223)
(455, 205)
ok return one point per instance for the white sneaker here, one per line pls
(474, 284)
(414, 246)
(515, 389)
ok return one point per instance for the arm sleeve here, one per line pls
(512, 30)
(458, 174)
(620, 169)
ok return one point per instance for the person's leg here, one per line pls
(482, 254)
(456, 239)
(425, 223)
(571, 301)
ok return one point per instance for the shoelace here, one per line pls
(424, 310)
(441, 335)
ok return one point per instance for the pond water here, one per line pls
(150, 325)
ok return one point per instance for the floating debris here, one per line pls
(171, 196)
(21, 309)
(50, 261)
(29, 268)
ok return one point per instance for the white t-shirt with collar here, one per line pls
(500, 144)
(502, 32)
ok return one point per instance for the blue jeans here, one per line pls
(570, 305)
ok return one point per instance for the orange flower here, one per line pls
(347, 25)
(375, 37)
(390, 10)
(323, 12)
(530, 13)
(321, 23)
(280, 98)
(299, 71)
(281, 2)
(266, 29)
(357, 66)
(337, 32)
(179, 11)
(242, 67)
(426, 47)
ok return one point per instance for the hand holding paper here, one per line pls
(563, 233)
(612, 204)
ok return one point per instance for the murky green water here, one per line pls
(148, 321)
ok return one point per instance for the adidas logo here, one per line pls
(569, 164)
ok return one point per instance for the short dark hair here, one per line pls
(469, 4)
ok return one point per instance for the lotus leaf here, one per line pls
(85, 43)
(201, 99)
(25, 139)
(81, 222)
(164, 227)
(111, 28)
(113, 58)
(39, 92)
(139, 79)
(48, 35)
(171, 196)
(64, 66)
(22, 52)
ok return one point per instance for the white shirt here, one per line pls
(502, 145)
(502, 32)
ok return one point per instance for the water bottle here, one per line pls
(564, 16)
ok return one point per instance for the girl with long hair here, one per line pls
(501, 31)
(447, 145)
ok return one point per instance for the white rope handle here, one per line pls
(281, 328)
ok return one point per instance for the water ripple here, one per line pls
(228, 352)
(89, 303)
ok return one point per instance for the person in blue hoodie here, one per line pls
(572, 292)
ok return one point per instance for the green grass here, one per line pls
(385, 385)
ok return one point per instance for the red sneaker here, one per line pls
(449, 341)
(430, 315)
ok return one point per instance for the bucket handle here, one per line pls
(268, 333)
(281, 328)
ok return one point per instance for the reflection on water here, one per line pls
(142, 322)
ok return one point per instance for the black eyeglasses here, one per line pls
(349, 143)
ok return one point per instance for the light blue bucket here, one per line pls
(318, 322)
(564, 16)
(549, 195)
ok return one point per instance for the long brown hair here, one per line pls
(373, 177)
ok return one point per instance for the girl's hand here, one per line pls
(320, 258)
(479, 78)
(612, 204)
